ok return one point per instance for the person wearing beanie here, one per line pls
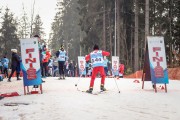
(14, 50)
(46, 57)
(62, 57)
(40, 56)
(37, 36)
(96, 58)
(15, 62)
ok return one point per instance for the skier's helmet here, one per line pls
(62, 47)
(96, 47)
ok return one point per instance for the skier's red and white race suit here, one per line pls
(96, 58)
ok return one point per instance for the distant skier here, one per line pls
(106, 65)
(61, 54)
(96, 58)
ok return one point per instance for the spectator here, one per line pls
(106, 65)
(71, 69)
(50, 67)
(89, 70)
(121, 70)
(55, 66)
(75, 68)
(40, 55)
(18, 68)
(87, 67)
(46, 56)
(5, 66)
(15, 64)
(1, 67)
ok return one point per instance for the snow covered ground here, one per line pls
(62, 101)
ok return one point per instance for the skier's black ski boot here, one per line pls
(90, 90)
(63, 77)
(102, 88)
(60, 77)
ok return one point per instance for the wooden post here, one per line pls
(41, 88)
(143, 80)
(165, 88)
(24, 90)
(28, 89)
(155, 88)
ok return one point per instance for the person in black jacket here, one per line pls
(15, 64)
(71, 69)
(62, 57)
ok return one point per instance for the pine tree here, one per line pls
(8, 31)
(177, 26)
(65, 28)
(24, 26)
(136, 42)
(37, 26)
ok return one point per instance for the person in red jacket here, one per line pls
(96, 58)
(121, 70)
(45, 60)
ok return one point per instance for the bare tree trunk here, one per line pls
(131, 50)
(122, 33)
(115, 29)
(170, 31)
(110, 34)
(154, 10)
(32, 17)
(146, 22)
(104, 27)
(118, 28)
(125, 55)
(136, 46)
(25, 24)
(141, 55)
(80, 50)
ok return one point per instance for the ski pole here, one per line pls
(117, 85)
(78, 80)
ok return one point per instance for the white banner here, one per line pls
(115, 65)
(30, 61)
(157, 59)
(81, 65)
(29, 49)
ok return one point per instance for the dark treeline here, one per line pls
(79, 24)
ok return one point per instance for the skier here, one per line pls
(61, 54)
(96, 58)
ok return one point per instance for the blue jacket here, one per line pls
(5, 63)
